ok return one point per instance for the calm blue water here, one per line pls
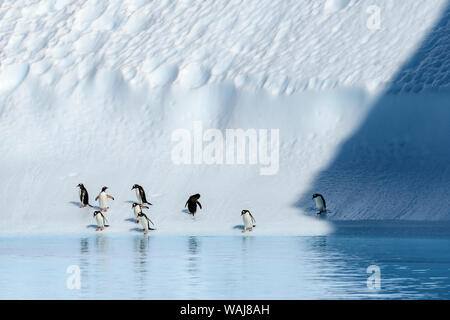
(413, 259)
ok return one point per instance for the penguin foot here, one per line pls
(102, 229)
(97, 229)
(243, 230)
(143, 229)
(145, 233)
(81, 206)
(251, 229)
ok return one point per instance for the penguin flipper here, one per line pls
(96, 198)
(199, 204)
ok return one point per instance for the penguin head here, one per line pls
(196, 196)
(104, 188)
(134, 204)
(80, 185)
(96, 213)
(315, 195)
(135, 186)
(244, 212)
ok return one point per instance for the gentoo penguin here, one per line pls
(84, 197)
(321, 205)
(137, 208)
(140, 194)
(192, 203)
(100, 218)
(248, 220)
(145, 222)
(103, 199)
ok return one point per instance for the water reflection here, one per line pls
(84, 263)
(246, 244)
(193, 259)
(101, 263)
(247, 267)
(100, 243)
(141, 267)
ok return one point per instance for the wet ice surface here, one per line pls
(413, 258)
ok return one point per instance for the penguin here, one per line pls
(102, 198)
(145, 221)
(321, 205)
(100, 218)
(140, 194)
(248, 220)
(84, 197)
(137, 208)
(192, 203)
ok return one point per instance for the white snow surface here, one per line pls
(91, 91)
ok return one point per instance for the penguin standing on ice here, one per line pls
(145, 222)
(192, 203)
(140, 194)
(103, 199)
(100, 218)
(84, 197)
(321, 205)
(248, 220)
(137, 208)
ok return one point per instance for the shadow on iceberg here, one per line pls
(397, 164)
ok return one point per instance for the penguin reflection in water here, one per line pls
(248, 220)
(321, 205)
(103, 199)
(137, 208)
(192, 204)
(145, 222)
(84, 197)
(100, 218)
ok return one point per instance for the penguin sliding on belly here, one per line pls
(321, 205)
(100, 218)
(140, 194)
(145, 222)
(248, 220)
(137, 208)
(192, 204)
(103, 199)
(84, 197)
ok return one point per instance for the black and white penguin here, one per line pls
(145, 222)
(137, 208)
(100, 218)
(103, 199)
(248, 220)
(192, 203)
(140, 194)
(321, 205)
(84, 197)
